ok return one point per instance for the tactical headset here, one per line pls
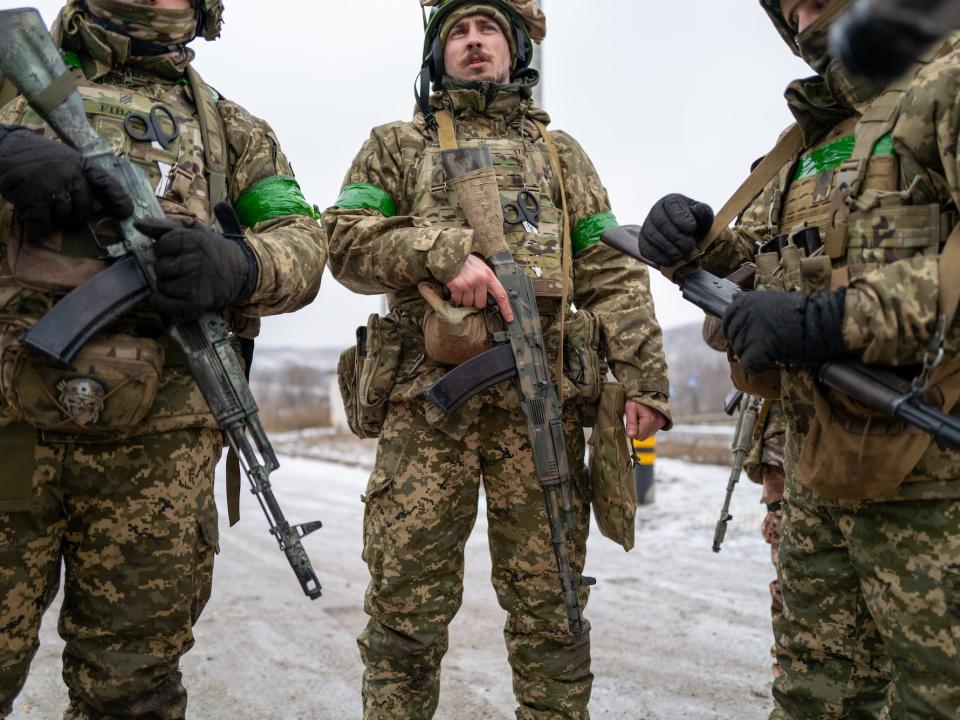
(432, 71)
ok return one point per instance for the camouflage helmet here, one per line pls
(210, 18)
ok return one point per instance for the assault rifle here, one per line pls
(875, 388)
(31, 61)
(521, 353)
(749, 406)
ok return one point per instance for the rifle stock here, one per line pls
(32, 62)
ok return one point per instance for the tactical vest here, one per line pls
(521, 164)
(849, 188)
(131, 380)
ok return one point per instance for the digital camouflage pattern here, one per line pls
(421, 504)
(428, 487)
(869, 627)
(764, 465)
(863, 586)
(138, 537)
(131, 515)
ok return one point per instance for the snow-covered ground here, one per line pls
(678, 632)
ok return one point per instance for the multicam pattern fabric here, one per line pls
(134, 519)
(422, 498)
(373, 254)
(163, 26)
(869, 626)
(421, 504)
(139, 537)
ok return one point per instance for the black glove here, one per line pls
(198, 269)
(764, 328)
(52, 186)
(673, 228)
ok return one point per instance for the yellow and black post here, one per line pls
(644, 456)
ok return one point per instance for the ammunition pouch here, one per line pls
(852, 453)
(613, 492)
(107, 389)
(766, 384)
(452, 335)
(367, 373)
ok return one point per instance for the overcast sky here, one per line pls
(669, 96)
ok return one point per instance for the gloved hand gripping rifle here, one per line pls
(32, 62)
(872, 387)
(472, 175)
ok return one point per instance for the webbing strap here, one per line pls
(783, 152)
(54, 94)
(213, 133)
(446, 130)
(567, 247)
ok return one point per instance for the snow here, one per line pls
(678, 632)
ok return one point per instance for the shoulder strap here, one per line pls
(567, 245)
(214, 135)
(790, 143)
(446, 130)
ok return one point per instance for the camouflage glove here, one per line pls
(52, 186)
(198, 269)
(673, 228)
(764, 328)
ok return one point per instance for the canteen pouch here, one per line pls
(107, 389)
(366, 374)
(18, 443)
(582, 365)
(452, 335)
(852, 453)
(613, 493)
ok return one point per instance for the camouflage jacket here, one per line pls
(286, 239)
(379, 250)
(891, 309)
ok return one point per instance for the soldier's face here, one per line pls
(806, 12)
(477, 49)
(163, 4)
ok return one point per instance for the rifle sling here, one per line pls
(788, 146)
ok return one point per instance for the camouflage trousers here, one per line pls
(773, 481)
(421, 504)
(134, 526)
(871, 620)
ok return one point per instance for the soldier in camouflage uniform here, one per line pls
(108, 464)
(395, 226)
(870, 540)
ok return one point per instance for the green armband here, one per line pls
(271, 198)
(587, 232)
(361, 196)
